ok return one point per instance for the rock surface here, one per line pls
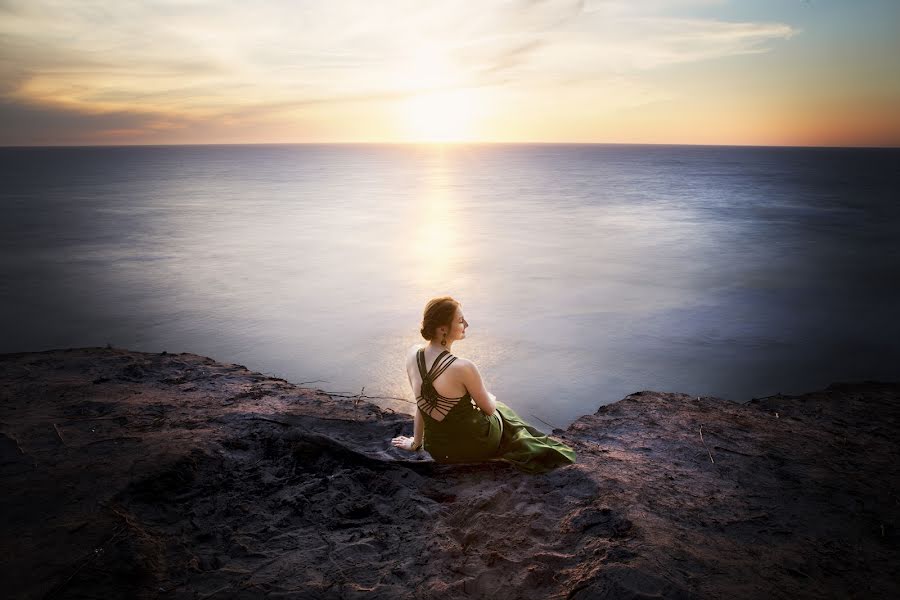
(137, 475)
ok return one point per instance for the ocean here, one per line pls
(586, 272)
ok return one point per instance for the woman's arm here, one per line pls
(418, 429)
(471, 378)
(407, 443)
(412, 443)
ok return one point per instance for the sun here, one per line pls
(440, 103)
(440, 116)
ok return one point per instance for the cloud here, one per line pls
(193, 60)
(29, 125)
(634, 44)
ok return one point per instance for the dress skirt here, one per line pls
(526, 448)
(467, 435)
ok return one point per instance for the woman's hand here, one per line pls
(404, 443)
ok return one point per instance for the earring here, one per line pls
(444, 340)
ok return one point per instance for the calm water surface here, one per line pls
(586, 272)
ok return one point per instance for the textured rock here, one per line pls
(128, 474)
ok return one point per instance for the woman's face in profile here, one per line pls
(458, 330)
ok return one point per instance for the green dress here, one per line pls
(465, 434)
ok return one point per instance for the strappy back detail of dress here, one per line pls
(429, 400)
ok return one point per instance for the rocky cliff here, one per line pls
(135, 475)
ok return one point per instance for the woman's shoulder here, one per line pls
(411, 353)
(461, 361)
(463, 364)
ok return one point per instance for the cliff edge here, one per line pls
(139, 475)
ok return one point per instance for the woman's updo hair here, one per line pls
(438, 312)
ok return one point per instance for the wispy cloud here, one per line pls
(174, 61)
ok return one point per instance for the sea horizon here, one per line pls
(455, 144)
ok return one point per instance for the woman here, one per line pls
(457, 419)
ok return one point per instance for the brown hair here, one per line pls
(438, 312)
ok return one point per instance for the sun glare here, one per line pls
(440, 106)
(441, 116)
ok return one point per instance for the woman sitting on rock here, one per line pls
(457, 419)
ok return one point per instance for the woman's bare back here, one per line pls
(448, 384)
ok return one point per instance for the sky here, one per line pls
(738, 72)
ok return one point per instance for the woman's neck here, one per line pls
(434, 346)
